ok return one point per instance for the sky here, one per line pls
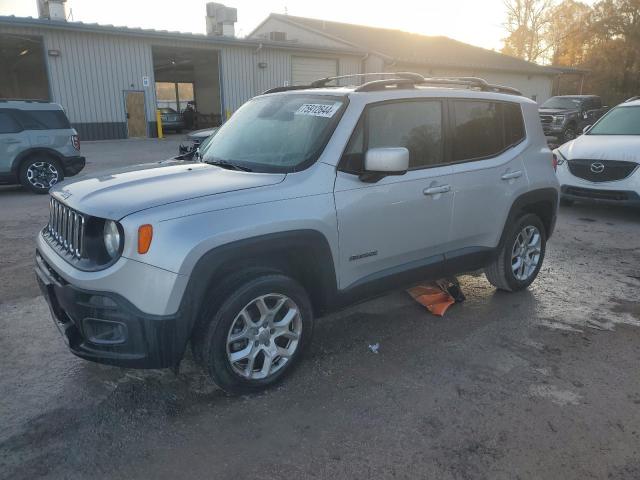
(477, 22)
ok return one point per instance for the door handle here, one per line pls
(437, 190)
(510, 175)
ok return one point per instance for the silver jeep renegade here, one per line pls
(308, 199)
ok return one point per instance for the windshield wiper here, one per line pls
(218, 162)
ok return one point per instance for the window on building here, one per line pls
(8, 124)
(415, 125)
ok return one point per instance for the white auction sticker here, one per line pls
(318, 109)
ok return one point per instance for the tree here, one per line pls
(568, 35)
(527, 23)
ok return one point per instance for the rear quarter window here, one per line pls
(43, 119)
(8, 123)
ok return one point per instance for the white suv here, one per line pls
(306, 200)
(603, 165)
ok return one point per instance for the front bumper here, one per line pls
(599, 195)
(106, 328)
(73, 165)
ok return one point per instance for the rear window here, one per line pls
(8, 124)
(43, 119)
(485, 129)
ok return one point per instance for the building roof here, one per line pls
(412, 48)
(165, 34)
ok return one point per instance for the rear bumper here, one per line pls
(611, 197)
(106, 328)
(73, 165)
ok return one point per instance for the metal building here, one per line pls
(110, 79)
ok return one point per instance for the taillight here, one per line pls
(555, 162)
(75, 141)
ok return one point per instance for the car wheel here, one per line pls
(520, 256)
(565, 202)
(569, 134)
(257, 334)
(40, 173)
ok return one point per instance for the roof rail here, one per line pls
(322, 82)
(403, 80)
(408, 81)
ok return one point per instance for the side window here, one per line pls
(513, 124)
(8, 124)
(43, 119)
(478, 129)
(415, 125)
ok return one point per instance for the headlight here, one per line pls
(112, 238)
(558, 118)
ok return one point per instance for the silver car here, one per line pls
(306, 200)
(38, 146)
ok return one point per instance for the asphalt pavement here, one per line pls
(540, 384)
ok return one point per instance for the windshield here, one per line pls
(619, 121)
(565, 103)
(278, 133)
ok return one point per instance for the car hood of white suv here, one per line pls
(116, 194)
(603, 147)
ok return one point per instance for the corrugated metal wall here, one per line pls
(94, 70)
(90, 76)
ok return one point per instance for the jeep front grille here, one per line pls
(66, 229)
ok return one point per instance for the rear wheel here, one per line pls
(520, 257)
(40, 172)
(257, 334)
(569, 134)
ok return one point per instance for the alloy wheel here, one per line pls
(525, 255)
(42, 175)
(264, 336)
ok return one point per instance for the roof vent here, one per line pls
(278, 36)
(221, 19)
(52, 10)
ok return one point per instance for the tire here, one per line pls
(39, 173)
(565, 202)
(569, 134)
(271, 317)
(501, 272)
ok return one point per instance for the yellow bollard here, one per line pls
(159, 124)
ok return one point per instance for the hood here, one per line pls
(603, 147)
(557, 111)
(117, 193)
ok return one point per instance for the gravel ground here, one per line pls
(539, 384)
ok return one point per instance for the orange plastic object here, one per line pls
(432, 297)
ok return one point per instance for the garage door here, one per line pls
(305, 70)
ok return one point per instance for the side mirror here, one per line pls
(390, 160)
(586, 129)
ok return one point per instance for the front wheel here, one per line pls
(520, 256)
(257, 334)
(569, 134)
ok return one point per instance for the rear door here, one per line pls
(13, 139)
(399, 223)
(488, 170)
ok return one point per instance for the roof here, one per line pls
(164, 34)
(413, 48)
(23, 104)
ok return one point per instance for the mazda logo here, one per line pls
(597, 167)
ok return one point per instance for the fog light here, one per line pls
(104, 332)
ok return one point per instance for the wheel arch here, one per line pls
(25, 155)
(541, 202)
(304, 255)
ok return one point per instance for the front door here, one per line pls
(136, 118)
(398, 223)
